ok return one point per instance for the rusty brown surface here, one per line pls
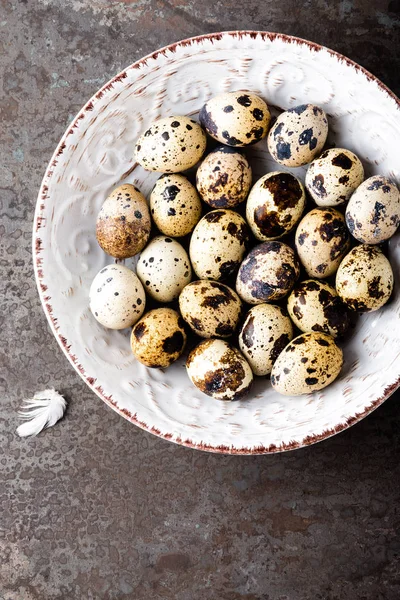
(96, 508)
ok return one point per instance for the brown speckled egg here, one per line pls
(175, 205)
(309, 363)
(333, 177)
(315, 306)
(274, 206)
(219, 370)
(364, 280)
(298, 135)
(211, 308)
(116, 297)
(164, 269)
(218, 244)
(373, 213)
(224, 178)
(266, 331)
(267, 273)
(123, 224)
(159, 338)
(322, 240)
(171, 145)
(236, 118)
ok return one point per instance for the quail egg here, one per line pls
(373, 213)
(171, 145)
(266, 331)
(223, 179)
(159, 338)
(123, 224)
(175, 205)
(309, 363)
(364, 279)
(274, 206)
(164, 269)
(333, 177)
(211, 308)
(322, 240)
(218, 244)
(236, 118)
(298, 135)
(219, 370)
(315, 306)
(116, 297)
(268, 273)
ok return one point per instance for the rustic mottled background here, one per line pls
(97, 509)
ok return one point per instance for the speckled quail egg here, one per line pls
(175, 205)
(266, 331)
(309, 363)
(298, 135)
(236, 118)
(159, 338)
(171, 145)
(117, 297)
(333, 177)
(364, 279)
(123, 224)
(218, 244)
(373, 213)
(223, 179)
(267, 273)
(274, 206)
(211, 308)
(315, 306)
(164, 269)
(322, 240)
(219, 370)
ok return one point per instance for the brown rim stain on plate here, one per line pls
(40, 223)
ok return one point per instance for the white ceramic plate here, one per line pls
(96, 154)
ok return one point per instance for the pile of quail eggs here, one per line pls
(230, 277)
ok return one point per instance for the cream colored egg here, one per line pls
(219, 370)
(175, 205)
(274, 206)
(123, 224)
(373, 213)
(267, 273)
(309, 363)
(218, 244)
(333, 177)
(322, 240)
(159, 338)
(117, 299)
(171, 145)
(211, 308)
(266, 331)
(164, 269)
(236, 118)
(315, 306)
(298, 135)
(364, 280)
(223, 179)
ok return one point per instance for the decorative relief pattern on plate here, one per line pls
(96, 154)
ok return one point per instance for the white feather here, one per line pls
(40, 412)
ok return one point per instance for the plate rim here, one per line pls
(37, 248)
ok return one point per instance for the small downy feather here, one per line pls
(40, 412)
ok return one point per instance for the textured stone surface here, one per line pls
(97, 509)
